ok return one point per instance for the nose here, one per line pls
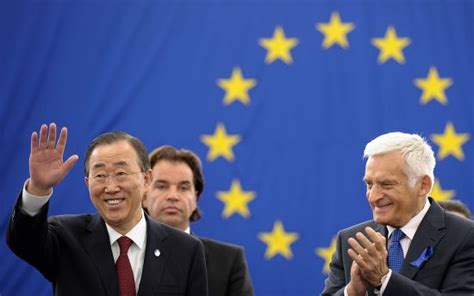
(172, 194)
(375, 193)
(111, 185)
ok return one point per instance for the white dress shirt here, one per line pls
(136, 252)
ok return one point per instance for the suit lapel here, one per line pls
(97, 245)
(380, 228)
(156, 256)
(430, 231)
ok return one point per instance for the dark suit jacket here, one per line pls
(450, 270)
(73, 252)
(226, 269)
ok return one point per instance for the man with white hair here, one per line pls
(412, 246)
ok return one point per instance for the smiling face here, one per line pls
(392, 200)
(117, 184)
(171, 198)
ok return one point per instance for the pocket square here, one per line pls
(425, 255)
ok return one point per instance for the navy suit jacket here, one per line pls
(73, 252)
(449, 270)
(227, 270)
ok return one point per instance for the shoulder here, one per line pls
(74, 221)
(212, 245)
(460, 226)
(350, 231)
(455, 225)
(171, 234)
(452, 219)
(223, 258)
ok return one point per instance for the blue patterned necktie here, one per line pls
(395, 251)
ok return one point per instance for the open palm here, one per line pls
(47, 167)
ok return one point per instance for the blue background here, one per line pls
(150, 67)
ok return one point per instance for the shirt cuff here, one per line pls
(346, 294)
(32, 204)
(385, 280)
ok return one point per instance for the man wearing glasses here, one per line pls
(117, 251)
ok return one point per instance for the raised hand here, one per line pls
(47, 167)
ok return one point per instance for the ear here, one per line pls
(195, 202)
(425, 185)
(144, 200)
(86, 181)
(148, 178)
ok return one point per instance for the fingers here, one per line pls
(34, 142)
(47, 138)
(365, 250)
(357, 252)
(52, 136)
(62, 141)
(377, 238)
(365, 242)
(370, 254)
(70, 162)
(43, 135)
(356, 246)
(355, 256)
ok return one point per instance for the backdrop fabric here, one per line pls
(277, 97)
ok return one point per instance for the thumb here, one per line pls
(70, 163)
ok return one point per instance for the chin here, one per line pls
(380, 220)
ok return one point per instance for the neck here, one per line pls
(124, 229)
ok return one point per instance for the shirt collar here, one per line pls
(137, 234)
(410, 228)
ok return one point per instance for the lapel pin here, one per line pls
(157, 253)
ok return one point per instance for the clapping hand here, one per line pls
(370, 254)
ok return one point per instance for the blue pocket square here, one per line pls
(425, 255)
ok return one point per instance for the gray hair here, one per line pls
(417, 153)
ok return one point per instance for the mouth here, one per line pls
(383, 207)
(114, 201)
(171, 210)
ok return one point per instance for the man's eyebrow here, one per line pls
(185, 182)
(98, 165)
(120, 163)
(101, 165)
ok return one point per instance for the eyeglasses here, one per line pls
(119, 177)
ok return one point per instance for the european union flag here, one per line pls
(277, 97)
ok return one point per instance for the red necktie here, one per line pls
(124, 269)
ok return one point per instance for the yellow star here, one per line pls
(335, 31)
(236, 88)
(236, 200)
(220, 144)
(326, 254)
(433, 87)
(450, 143)
(278, 241)
(278, 47)
(391, 46)
(439, 194)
